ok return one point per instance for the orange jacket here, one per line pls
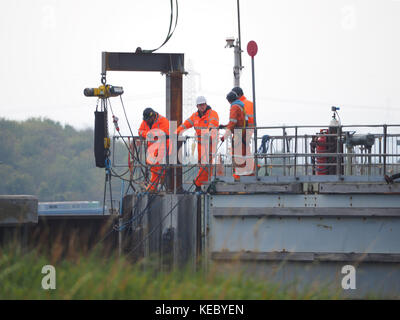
(161, 123)
(208, 120)
(237, 118)
(248, 107)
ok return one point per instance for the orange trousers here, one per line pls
(156, 172)
(203, 175)
(205, 171)
(156, 176)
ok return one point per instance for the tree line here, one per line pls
(41, 157)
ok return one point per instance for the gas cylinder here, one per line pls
(322, 147)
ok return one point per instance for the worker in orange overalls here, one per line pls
(237, 119)
(249, 110)
(203, 120)
(248, 106)
(155, 129)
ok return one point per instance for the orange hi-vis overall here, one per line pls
(156, 150)
(249, 109)
(238, 119)
(202, 123)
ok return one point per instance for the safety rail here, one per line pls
(366, 150)
(289, 151)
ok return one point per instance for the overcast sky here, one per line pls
(312, 54)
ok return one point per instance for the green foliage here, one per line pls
(43, 158)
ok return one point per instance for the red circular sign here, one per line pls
(252, 48)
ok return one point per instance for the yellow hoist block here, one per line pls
(104, 91)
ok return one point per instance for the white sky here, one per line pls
(312, 54)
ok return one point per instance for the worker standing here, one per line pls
(203, 120)
(249, 110)
(248, 106)
(237, 119)
(154, 127)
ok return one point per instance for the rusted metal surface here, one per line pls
(174, 113)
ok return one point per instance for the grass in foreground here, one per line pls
(97, 277)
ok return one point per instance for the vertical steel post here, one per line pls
(120, 220)
(174, 113)
(240, 39)
(369, 161)
(306, 157)
(338, 151)
(384, 147)
(380, 153)
(295, 151)
(284, 150)
(237, 68)
(255, 117)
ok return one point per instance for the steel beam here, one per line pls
(159, 62)
(361, 188)
(260, 187)
(306, 256)
(248, 212)
(327, 201)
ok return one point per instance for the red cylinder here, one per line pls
(322, 147)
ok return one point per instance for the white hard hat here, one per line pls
(200, 100)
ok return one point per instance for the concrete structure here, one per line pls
(68, 233)
(18, 213)
(18, 209)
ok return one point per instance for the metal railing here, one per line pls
(284, 151)
(289, 151)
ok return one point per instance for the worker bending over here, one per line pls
(203, 120)
(155, 129)
(237, 119)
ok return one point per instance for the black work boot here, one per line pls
(388, 179)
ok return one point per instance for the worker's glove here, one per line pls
(151, 137)
(221, 126)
